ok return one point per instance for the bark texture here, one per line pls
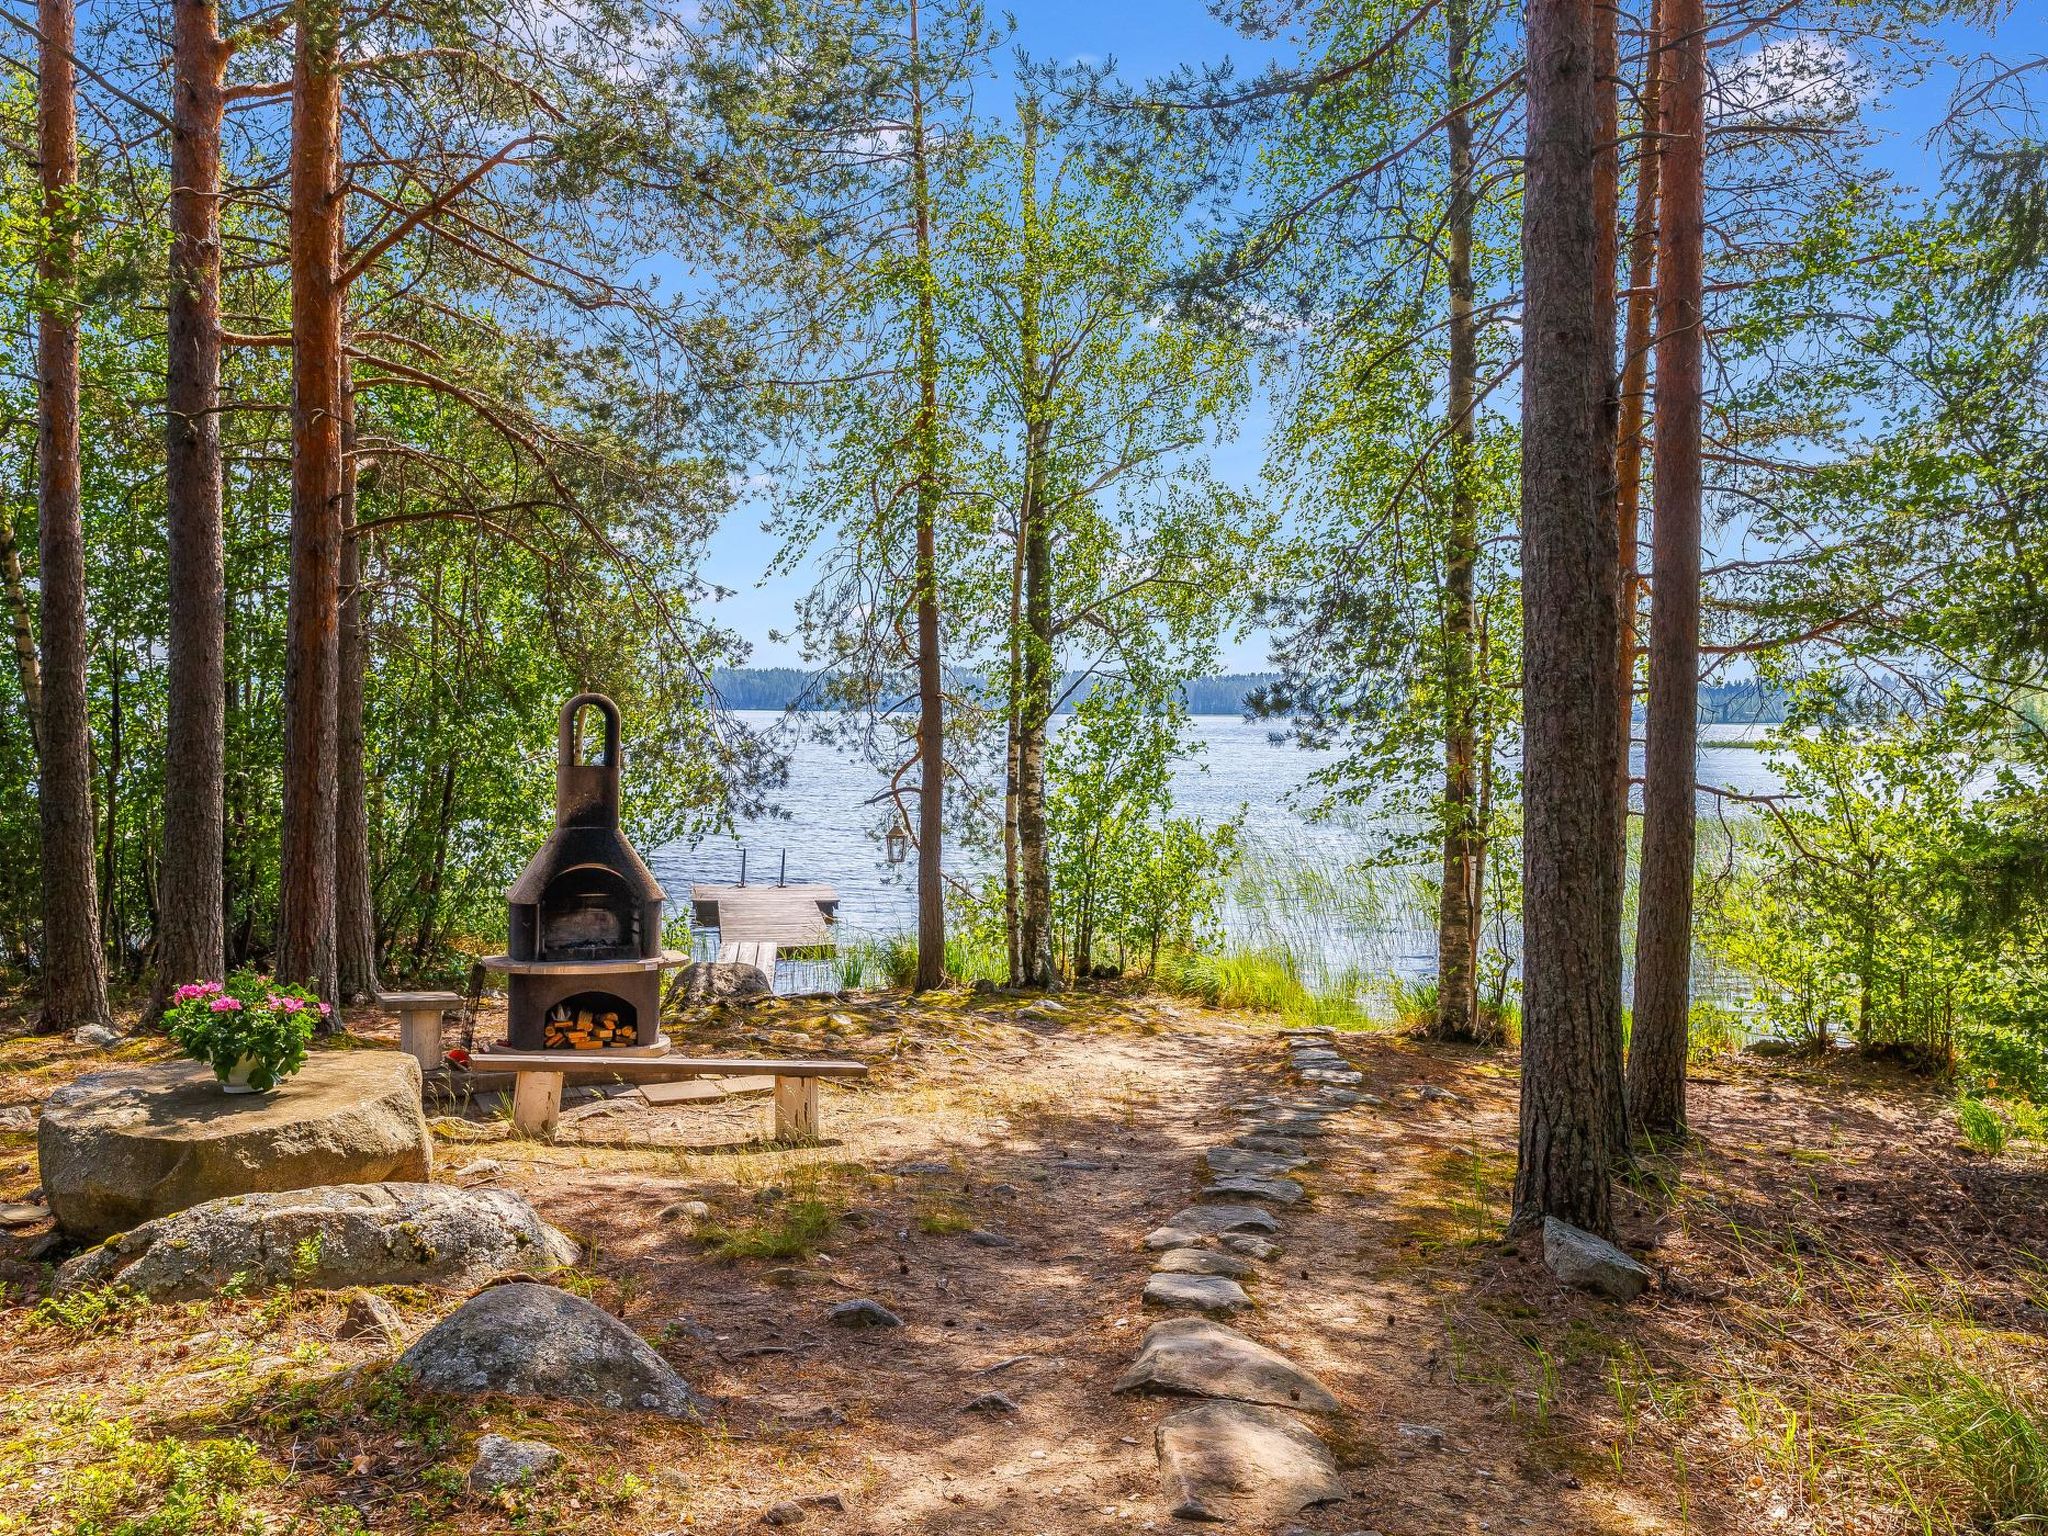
(1656, 1069)
(1570, 632)
(1458, 906)
(191, 920)
(74, 969)
(306, 934)
(354, 920)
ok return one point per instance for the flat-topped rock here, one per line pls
(1592, 1263)
(1237, 1160)
(1246, 1465)
(1215, 1294)
(124, 1146)
(1254, 1186)
(1199, 1221)
(1194, 1357)
(327, 1239)
(1203, 1261)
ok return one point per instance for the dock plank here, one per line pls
(786, 916)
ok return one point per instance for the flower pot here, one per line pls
(236, 1078)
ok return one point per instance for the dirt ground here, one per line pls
(1824, 1245)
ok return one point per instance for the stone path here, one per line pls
(1249, 1453)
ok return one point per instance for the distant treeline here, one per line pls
(782, 687)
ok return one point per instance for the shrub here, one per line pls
(249, 1018)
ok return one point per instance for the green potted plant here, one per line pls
(250, 1030)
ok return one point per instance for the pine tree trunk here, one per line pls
(306, 935)
(1458, 904)
(22, 632)
(931, 698)
(191, 941)
(1013, 907)
(1570, 626)
(74, 968)
(354, 925)
(1656, 1069)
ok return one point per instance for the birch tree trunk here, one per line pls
(192, 916)
(1656, 1069)
(306, 933)
(1570, 633)
(73, 965)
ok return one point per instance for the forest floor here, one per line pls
(1846, 1299)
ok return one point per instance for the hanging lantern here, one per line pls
(897, 843)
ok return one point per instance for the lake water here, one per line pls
(829, 832)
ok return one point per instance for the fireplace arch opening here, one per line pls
(589, 913)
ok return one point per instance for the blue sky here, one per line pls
(1149, 37)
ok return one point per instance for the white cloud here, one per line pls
(1795, 79)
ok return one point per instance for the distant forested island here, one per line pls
(1744, 703)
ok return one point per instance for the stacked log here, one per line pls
(584, 1029)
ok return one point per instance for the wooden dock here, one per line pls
(783, 916)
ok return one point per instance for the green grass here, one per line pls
(1266, 981)
(792, 1229)
(1967, 1447)
(127, 1484)
(1982, 1127)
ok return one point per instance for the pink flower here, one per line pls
(226, 1005)
(325, 1010)
(284, 1004)
(193, 990)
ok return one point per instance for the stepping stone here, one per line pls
(1346, 1078)
(1279, 1146)
(1236, 1160)
(1591, 1263)
(1291, 1125)
(1215, 1294)
(22, 1214)
(1174, 1237)
(1250, 1243)
(863, 1313)
(1243, 1464)
(1310, 1032)
(1201, 1261)
(1215, 1220)
(1317, 1058)
(1194, 1357)
(1254, 1186)
(1343, 1098)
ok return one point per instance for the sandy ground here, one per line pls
(1479, 1396)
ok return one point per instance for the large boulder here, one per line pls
(1238, 1463)
(327, 1239)
(125, 1146)
(721, 981)
(529, 1340)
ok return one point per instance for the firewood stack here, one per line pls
(583, 1029)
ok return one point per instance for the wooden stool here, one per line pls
(420, 1016)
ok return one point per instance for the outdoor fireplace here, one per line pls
(583, 959)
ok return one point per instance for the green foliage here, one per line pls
(132, 1485)
(249, 1018)
(793, 1228)
(1967, 1443)
(88, 1309)
(1981, 1126)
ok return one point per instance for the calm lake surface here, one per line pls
(1294, 892)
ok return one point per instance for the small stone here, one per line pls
(863, 1313)
(1254, 1186)
(1216, 1295)
(18, 1117)
(22, 1213)
(991, 1402)
(369, 1316)
(1160, 1238)
(1429, 1093)
(982, 1238)
(502, 1463)
(97, 1035)
(482, 1168)
(1200, 1261)
(1195, 1357)
(1251, 1244)
(1422, 1434)
(1591, 1263)
(924, 1168)
(786, 1513)
(684, 1210)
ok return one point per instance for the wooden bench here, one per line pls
(420, 1015)
(538, 1076)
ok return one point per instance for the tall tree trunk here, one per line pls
(931, 698)
(305, 947)
(1656, 1069)
(191, 938)
(354, 926)
(110, 847)
(74, 968)
(1013, 911)
(1570, 625)
(1457, 1015)
(1035, 712)
(22, 632)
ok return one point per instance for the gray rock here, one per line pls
(502, 1463)
(1238, 1160)
(18, 1117)
(370, 1316)
(480, 1168)
(528, 1340)
(1244, 1464)
(1261, 1141)
(1429, 1093)
(982, 1238)
(1194, 1357)
(1200, 1261)
(97, 1035)
(1422, 1434)
(1162, 1238)
(684, 1210)
(863, 1313)
(327, 1239)
(1211, 1221)
(1254, 1186)
(123, 1146)
(722, 981)
(1591, 1263)
(1251, 1244)
(1295, 1125)
(991, 1402)
(785, 1513)
(1343, 1097)
(1336, 1077)
(1310, 1032)
(1217, 1295)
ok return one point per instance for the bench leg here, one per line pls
(419, 1036)
(536, 1103)
(796, 1109)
